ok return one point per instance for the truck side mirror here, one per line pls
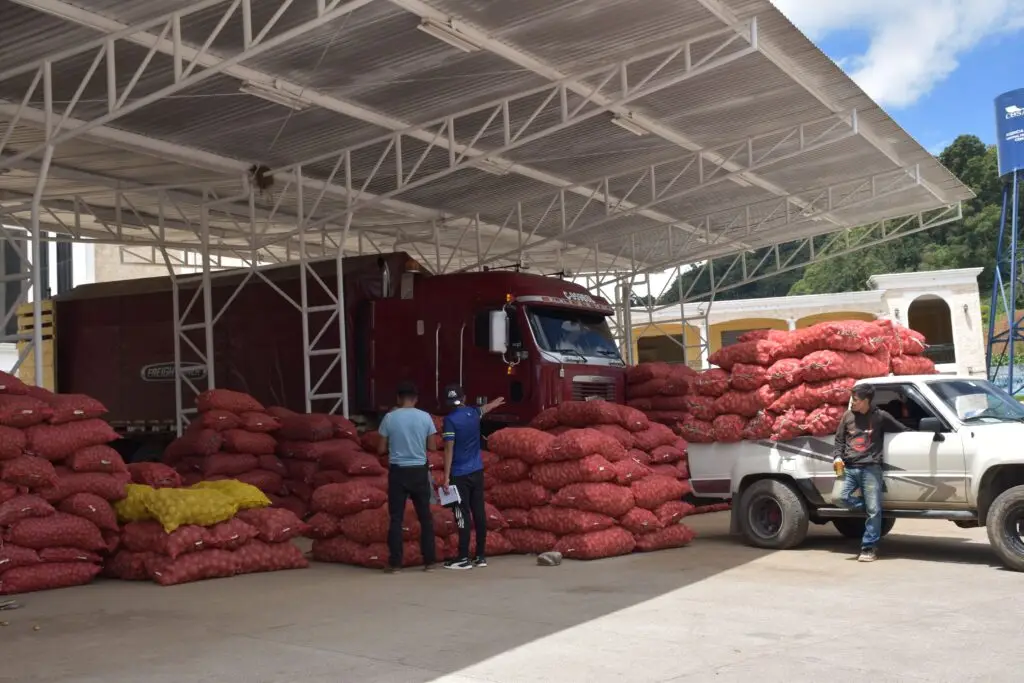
(497, 338)
(932, 425)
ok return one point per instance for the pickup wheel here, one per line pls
(773, 515)
(852, 527)
(1005, 526)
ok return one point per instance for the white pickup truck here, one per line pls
(963, 462)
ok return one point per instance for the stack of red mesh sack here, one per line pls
(660, 391)
(58, 478)
(211, 530)
(783, 385)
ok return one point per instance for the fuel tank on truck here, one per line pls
(115, 341)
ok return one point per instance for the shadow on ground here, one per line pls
(943, 549)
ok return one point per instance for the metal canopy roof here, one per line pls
(577, 135)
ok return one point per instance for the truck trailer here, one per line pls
(532, 339)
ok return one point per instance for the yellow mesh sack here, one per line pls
(177, 507)
(132, 508)
(244, 495)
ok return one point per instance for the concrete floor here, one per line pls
(935, 608)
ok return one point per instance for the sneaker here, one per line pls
(458, 564)
(867, 555)
(480, 562)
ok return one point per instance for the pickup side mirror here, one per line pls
(497, 341)
(933, 425)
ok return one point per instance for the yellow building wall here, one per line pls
(828, 317)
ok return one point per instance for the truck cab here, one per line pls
(959, 462)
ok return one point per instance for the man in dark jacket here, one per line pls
(860, 439)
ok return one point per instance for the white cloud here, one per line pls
(912, 44)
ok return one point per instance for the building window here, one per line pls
(733, 336)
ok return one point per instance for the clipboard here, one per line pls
(450, 498)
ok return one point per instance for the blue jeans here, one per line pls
(869, 480)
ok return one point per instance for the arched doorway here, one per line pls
(930, 315)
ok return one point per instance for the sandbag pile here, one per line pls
(782, 385)
(213, 529)
(58, 478)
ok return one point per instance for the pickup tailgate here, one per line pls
(711, 468)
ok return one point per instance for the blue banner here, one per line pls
(1010, 131)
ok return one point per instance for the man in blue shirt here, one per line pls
(404, 434)
(464, 467)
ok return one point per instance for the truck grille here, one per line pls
(590, 388)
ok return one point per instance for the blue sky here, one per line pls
(934, 65)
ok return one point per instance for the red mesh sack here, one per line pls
(277, 411)
(344, 428)
(555, 475)
(258, 556)
(364, 465)
(510, 470)
(581, 414)
(128, 566)
(651, 492)
(669, 403)
(489, 459)
(255, 421)
(225, 399)
(380, 482)
(913, 365)
(672, 512)
(674, 536)
(759, 427)
(530, 541)
(444, 521)
(666, 455)
(154, 474)
(205, 564)
(23, 507)
(605, 499)
(654, 436)
(642, 457)
(632, 419)
(9, 384)
(665, 471)
(306, 428)
(516, 518)
(230, 535)
(299, 470)
(326, 477)
(218, 420)
(264, 480)
(639, 521)
(580, 443)
(12, 443)
(647, 389)
(698, 431)
(597, 544)
(790, 425)
(812, 396)
(28, 471)
(645, 372)
(713, 382)
(547, 419)
(528, 445)
(767, 396)
(56, 442)
(629, 470)
(240, 441)
(12, 556)
(336, 549)
(339, 451)
(48, 576)
(196, 442)
(684, 469)
(371, 526)
(323, 525)
(824, 421)
(759, 352)
(297, 505)
(754, 335)
(150, 537)
(91, 507)
(272, 463)
(109, 487)
(20, 412)
(825, 365)
(228, 464)
(69, 555)
(669, 418)
(729, 428)
(746, 377)
(72, 407)
(102, 459)
(347, 498)
(745, 403)
(784, 374)
(56, 530)
(520, 494)
(370, 441)
(701, 407)
(620, 434)
(563, 521)
(642, 404)
(8, 491)
(912, 342)
(495, 518)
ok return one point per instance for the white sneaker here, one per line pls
(458, 564)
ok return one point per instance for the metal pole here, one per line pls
(342, 316)
(37, 273)
(997, 286)
(303, 293)
(1011, 314)
(204, 238)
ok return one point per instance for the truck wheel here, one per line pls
(1005, 526)
(852, 527)
(773, 515)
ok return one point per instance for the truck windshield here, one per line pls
(572, 332)
(975, 400)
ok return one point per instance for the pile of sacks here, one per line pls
(782, 385)
(58, 478)
(211, 530)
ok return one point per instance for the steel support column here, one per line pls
(1008, 282)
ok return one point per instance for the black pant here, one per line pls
(414, 483)
(471, 491)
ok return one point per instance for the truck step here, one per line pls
(830, 513)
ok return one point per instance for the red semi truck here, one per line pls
(534, 340)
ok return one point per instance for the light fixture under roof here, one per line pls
(270, 93)
(492, 167)
(626, 122)
(445, 31)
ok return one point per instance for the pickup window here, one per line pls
(977, 401)
(905, 403)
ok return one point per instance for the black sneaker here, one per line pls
(480, 562)
(867, 555)
(462, 564)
